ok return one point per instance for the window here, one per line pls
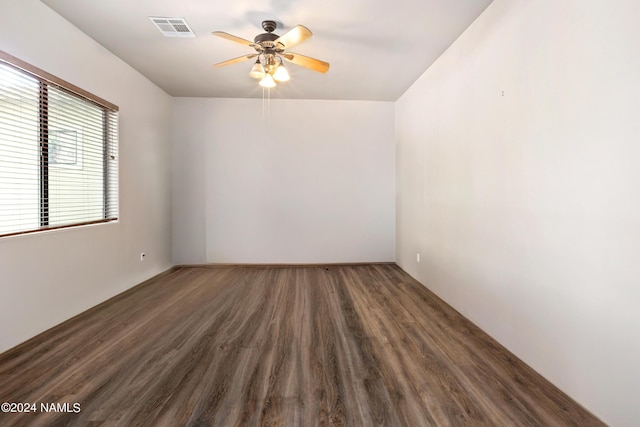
(58, 152)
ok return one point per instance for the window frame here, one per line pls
(46, 80)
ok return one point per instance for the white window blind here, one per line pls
(58, 152)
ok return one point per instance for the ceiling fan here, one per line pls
(271, 49)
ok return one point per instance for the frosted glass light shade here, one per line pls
(281, 74)
(257, 71)
(267, 81)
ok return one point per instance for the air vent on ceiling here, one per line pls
(172, 27)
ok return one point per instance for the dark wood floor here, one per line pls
(294, 346)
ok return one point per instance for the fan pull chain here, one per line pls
(268, 104)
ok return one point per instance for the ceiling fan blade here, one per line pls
(233, 38)
(307, 62)
(234, 60)
(294, 36)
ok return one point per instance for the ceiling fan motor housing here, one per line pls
(266, 39)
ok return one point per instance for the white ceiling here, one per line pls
(377, 49)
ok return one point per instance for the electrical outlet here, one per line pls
(142, 256)
(418, 257)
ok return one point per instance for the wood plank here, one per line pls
(353, 345)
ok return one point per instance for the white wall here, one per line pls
(47, 278)
(312, 182)
(518, 173)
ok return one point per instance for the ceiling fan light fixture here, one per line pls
(267, 81)
(271, 51)
(281, 74)
(270, 63)
(257, 71)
